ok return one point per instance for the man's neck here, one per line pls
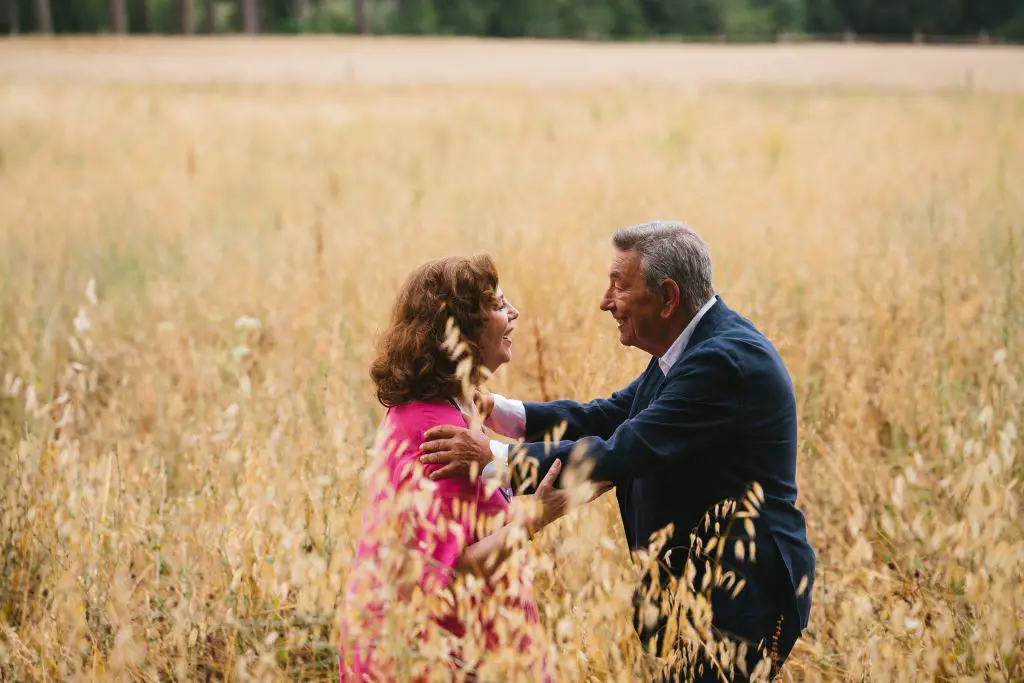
(672, 332)
(669, 357)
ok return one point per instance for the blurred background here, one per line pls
(730, 20)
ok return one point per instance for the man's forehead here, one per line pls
(624, 264)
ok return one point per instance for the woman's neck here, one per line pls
(465, 406)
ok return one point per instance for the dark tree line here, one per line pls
(590, 19)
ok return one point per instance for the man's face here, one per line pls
(636, 310)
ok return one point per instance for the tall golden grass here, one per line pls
(191, 278)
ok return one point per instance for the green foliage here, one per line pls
(681, 18)
(748, 19)
(415, 17)
(751, 20)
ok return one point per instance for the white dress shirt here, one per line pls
(669, 358)
(509, 415)
(498, 449)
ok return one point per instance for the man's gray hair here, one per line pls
(671, 250)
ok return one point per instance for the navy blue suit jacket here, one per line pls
(676, 445)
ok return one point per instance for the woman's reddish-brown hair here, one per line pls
(411, 362)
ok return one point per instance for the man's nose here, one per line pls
(513, 312)
(606, 303)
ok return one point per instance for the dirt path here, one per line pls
(332, 60)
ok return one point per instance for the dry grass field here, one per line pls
(194, 263)
(401, 61)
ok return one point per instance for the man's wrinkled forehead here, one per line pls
(624, 266)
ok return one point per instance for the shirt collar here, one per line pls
(669, 358)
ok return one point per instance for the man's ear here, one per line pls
(671, 298)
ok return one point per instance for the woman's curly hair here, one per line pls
(411, 362)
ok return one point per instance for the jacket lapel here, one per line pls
(654, 379)
(706, 328)
(648, 388)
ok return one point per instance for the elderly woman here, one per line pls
(433, 584)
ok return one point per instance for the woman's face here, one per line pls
(496, 340)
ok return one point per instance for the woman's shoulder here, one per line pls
(412, 420)
(402, 433)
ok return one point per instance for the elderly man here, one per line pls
(712, 418)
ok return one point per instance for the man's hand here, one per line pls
(555, 503)
(457, 449)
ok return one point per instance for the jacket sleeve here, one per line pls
(699, 406)
(599, 417)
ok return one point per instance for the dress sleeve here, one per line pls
(430, 523)
(442, 530)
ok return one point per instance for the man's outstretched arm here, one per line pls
(698, 407)
(530, 421)
(460, 451)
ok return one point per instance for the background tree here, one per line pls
(44, 17)
(11, 17)
(188, 16)
(301, 12)
(362, 17)
(209, 16)
(750, 20)
(118, 21)
(250, 16)
(140, 17)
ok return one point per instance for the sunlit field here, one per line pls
(193, 271)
